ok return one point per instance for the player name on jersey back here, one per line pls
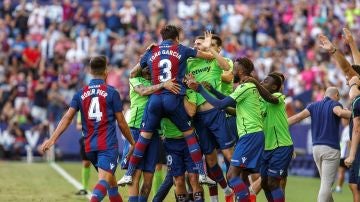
(165, 52)
(93, 91)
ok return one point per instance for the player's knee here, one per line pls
(273, 183)
(211, 159)
(180, 181)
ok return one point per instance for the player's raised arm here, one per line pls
(354, 84)
(349, 39)
(223, 63)
(337, 55)
(62, 126)
(265, 94)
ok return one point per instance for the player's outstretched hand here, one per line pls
(325, 43)
(172, 86)
(348, 38)
(190, 82)
(207, 40)
(349, 160)
(46, 145)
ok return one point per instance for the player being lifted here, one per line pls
(140, 89)
(100, 106)
(209, 121)
(167, 61)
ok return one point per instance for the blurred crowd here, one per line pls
(45, 47)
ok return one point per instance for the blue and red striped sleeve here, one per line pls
(144, 59)
(117, 103)
(75, 102)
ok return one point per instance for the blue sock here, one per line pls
(140, 148)
(240, 189)
(195, 152)
(278, 195)
(133, 198)
(100, 191)
(164, 189)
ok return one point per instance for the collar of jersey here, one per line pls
(167, 42)
(96, 81)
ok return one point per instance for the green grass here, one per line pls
(39, 182)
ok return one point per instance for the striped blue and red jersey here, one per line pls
(98, 104)
(167, 61)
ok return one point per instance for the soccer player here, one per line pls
(167, 61)
(249, 148)
(100, 106)
(353, 160)
(325, 122)
(278, 143)
(140, 89)
(85, 171)
(179, 162)
(210, 122)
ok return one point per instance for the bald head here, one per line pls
(333, 93)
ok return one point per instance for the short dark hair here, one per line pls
(218, 40)
(98, 64)
(247, 65)
(170, 32)
(278, 79)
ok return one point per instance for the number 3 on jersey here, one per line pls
(94, 109)
(165, 66)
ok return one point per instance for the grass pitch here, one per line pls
(39, 182)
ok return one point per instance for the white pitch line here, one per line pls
(68, 177)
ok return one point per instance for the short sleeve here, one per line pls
(356, 108)
(239, 93)
(117, 103)
(144, 59)
(310, 107)
(135, 81)
(231, 63)
(75, 102)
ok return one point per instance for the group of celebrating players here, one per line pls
(185, 95)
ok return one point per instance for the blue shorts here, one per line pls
(248, 151)
(354, 170)
(105, 159)
(232, 127)
(165, 105)
(275, 163)
(178, 157)
(151, 156)
(211, 128)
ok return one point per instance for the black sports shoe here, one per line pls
(81, 192)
